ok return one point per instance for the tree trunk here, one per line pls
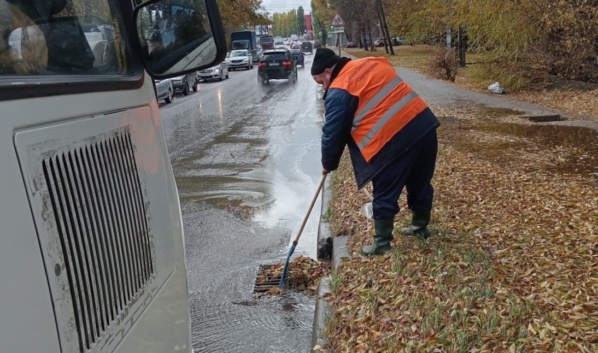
(360, 37)
(385, 26)
(370, 35)
(382, 29)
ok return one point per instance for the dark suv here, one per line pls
(298, 56)
(276, 64)
(306, 47)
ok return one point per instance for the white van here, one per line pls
(92, 254)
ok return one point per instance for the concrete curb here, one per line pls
(331, 248)
(340, 254)
(322, 313)
(324, 240)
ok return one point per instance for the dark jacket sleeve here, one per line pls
(340, 110)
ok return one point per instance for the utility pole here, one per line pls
(461, 47)
(385, 26)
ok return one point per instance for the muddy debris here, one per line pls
(304, 275)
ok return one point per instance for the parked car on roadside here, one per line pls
(276, 64)
(164, 90)
(298, 57)
(185, 84)
(240, 59)
(218, 72)
(380, 42)
(317, 45)
(351, 44)
(396, 41)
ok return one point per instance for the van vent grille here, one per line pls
(99, 211)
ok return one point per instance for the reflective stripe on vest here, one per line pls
(386, 102)
(390, 113)
(375, 100)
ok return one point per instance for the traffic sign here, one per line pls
(337, 21)
(338, 30)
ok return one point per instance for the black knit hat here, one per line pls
(324, 59)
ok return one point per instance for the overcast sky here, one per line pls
(273, 6)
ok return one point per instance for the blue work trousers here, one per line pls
(414, 170)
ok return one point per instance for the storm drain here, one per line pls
(268, 277)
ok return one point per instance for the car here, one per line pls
(186, 83)
(276, 64)
(398, 41)
(351, 44)
(267, 42)
(256, 54)
(164, 90)
(218, 72)
(380, 42)
(298, 56)
(279, 45)
(240, 59)
(317, 45)
(307, 47)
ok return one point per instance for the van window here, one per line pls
(62, 37)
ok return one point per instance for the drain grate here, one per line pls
(268, 277)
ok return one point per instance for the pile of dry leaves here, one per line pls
(304, 274)
(512, 264)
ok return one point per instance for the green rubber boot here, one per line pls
(382, 238)
(419, 223)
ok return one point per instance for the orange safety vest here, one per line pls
(386, 102)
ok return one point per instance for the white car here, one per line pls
(164, 90)
(240, 59)
(218, 72)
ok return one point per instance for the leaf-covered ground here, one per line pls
(513, 262)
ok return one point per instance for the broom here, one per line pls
(296, 241)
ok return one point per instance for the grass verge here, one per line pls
(512, 265)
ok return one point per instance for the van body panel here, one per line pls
(101, 240)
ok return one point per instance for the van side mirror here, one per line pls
(176, 37)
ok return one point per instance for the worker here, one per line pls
(391, 135)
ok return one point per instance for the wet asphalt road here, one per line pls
(247, 163)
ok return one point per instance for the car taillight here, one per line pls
(261, 65)
(286, 63)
